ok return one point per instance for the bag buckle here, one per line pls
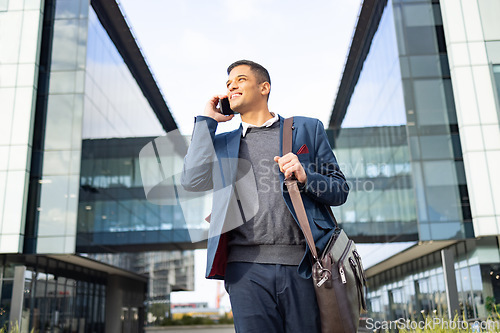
(342, 275)
(325, 273)
(322, 281)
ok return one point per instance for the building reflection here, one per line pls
(402, 127)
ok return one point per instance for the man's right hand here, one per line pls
(212, 111)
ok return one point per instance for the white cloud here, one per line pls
(189, 47)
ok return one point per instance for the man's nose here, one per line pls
(232, 86)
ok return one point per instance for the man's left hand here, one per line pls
(289, 164)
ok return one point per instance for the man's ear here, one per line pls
(265, 88)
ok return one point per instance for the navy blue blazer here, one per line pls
(211, 164)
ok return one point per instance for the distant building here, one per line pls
(199, 309)
(78, 102)
(167, 271)
(416, 126)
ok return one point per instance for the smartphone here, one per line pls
(224, 107)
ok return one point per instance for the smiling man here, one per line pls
(265, 262)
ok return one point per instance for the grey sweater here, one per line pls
(272, 236)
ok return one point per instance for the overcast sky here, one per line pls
(189, 44)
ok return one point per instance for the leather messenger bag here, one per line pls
(338, 275)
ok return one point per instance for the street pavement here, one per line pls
(204, 329)
(192, 329)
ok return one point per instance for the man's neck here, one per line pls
(257, 118)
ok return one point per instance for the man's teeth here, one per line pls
(235, 95)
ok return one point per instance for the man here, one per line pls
(265, 261)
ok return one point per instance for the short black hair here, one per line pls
(260, 72)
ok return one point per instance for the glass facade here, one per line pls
(167, 271)
(377, 100)
(403, 147)
(381, 203)
(114, 216)
(73, 122)
(417, 288)
(114, 107)
(117, 123)
(443, 208)
(113, 209)
(61, 150)
(372, 146)
(57, 296)
(399, 138)
(6, 284)
(92, 96)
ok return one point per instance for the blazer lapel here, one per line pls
(282, 120)
(294, 138)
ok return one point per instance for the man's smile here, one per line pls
(233, 95)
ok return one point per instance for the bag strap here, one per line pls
(293, 191)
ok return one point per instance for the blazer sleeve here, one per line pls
(325, 181)
(198, 163)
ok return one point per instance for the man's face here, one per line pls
(243, 89)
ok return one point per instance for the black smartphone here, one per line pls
(224, 107)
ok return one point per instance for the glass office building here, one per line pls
(416, 125)
(78, 103)
(166, 271)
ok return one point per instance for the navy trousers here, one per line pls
(271, 298)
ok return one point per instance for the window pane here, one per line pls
(65, 42)
(443, 204)
(53, 212)
(418, 15)
(441, 231)
(59, 125)
(378, 97)
(67, 9)
(3, 5)
(440, 173)
(430, 102)
(62, 82)
(422, 66)
(496, 75)
(421, 40)
(436, 147)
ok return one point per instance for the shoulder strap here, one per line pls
(293, 191)
(287, 148)
(287, 135)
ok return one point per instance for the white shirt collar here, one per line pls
(268, 123)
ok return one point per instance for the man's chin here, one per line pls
(236, 108)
